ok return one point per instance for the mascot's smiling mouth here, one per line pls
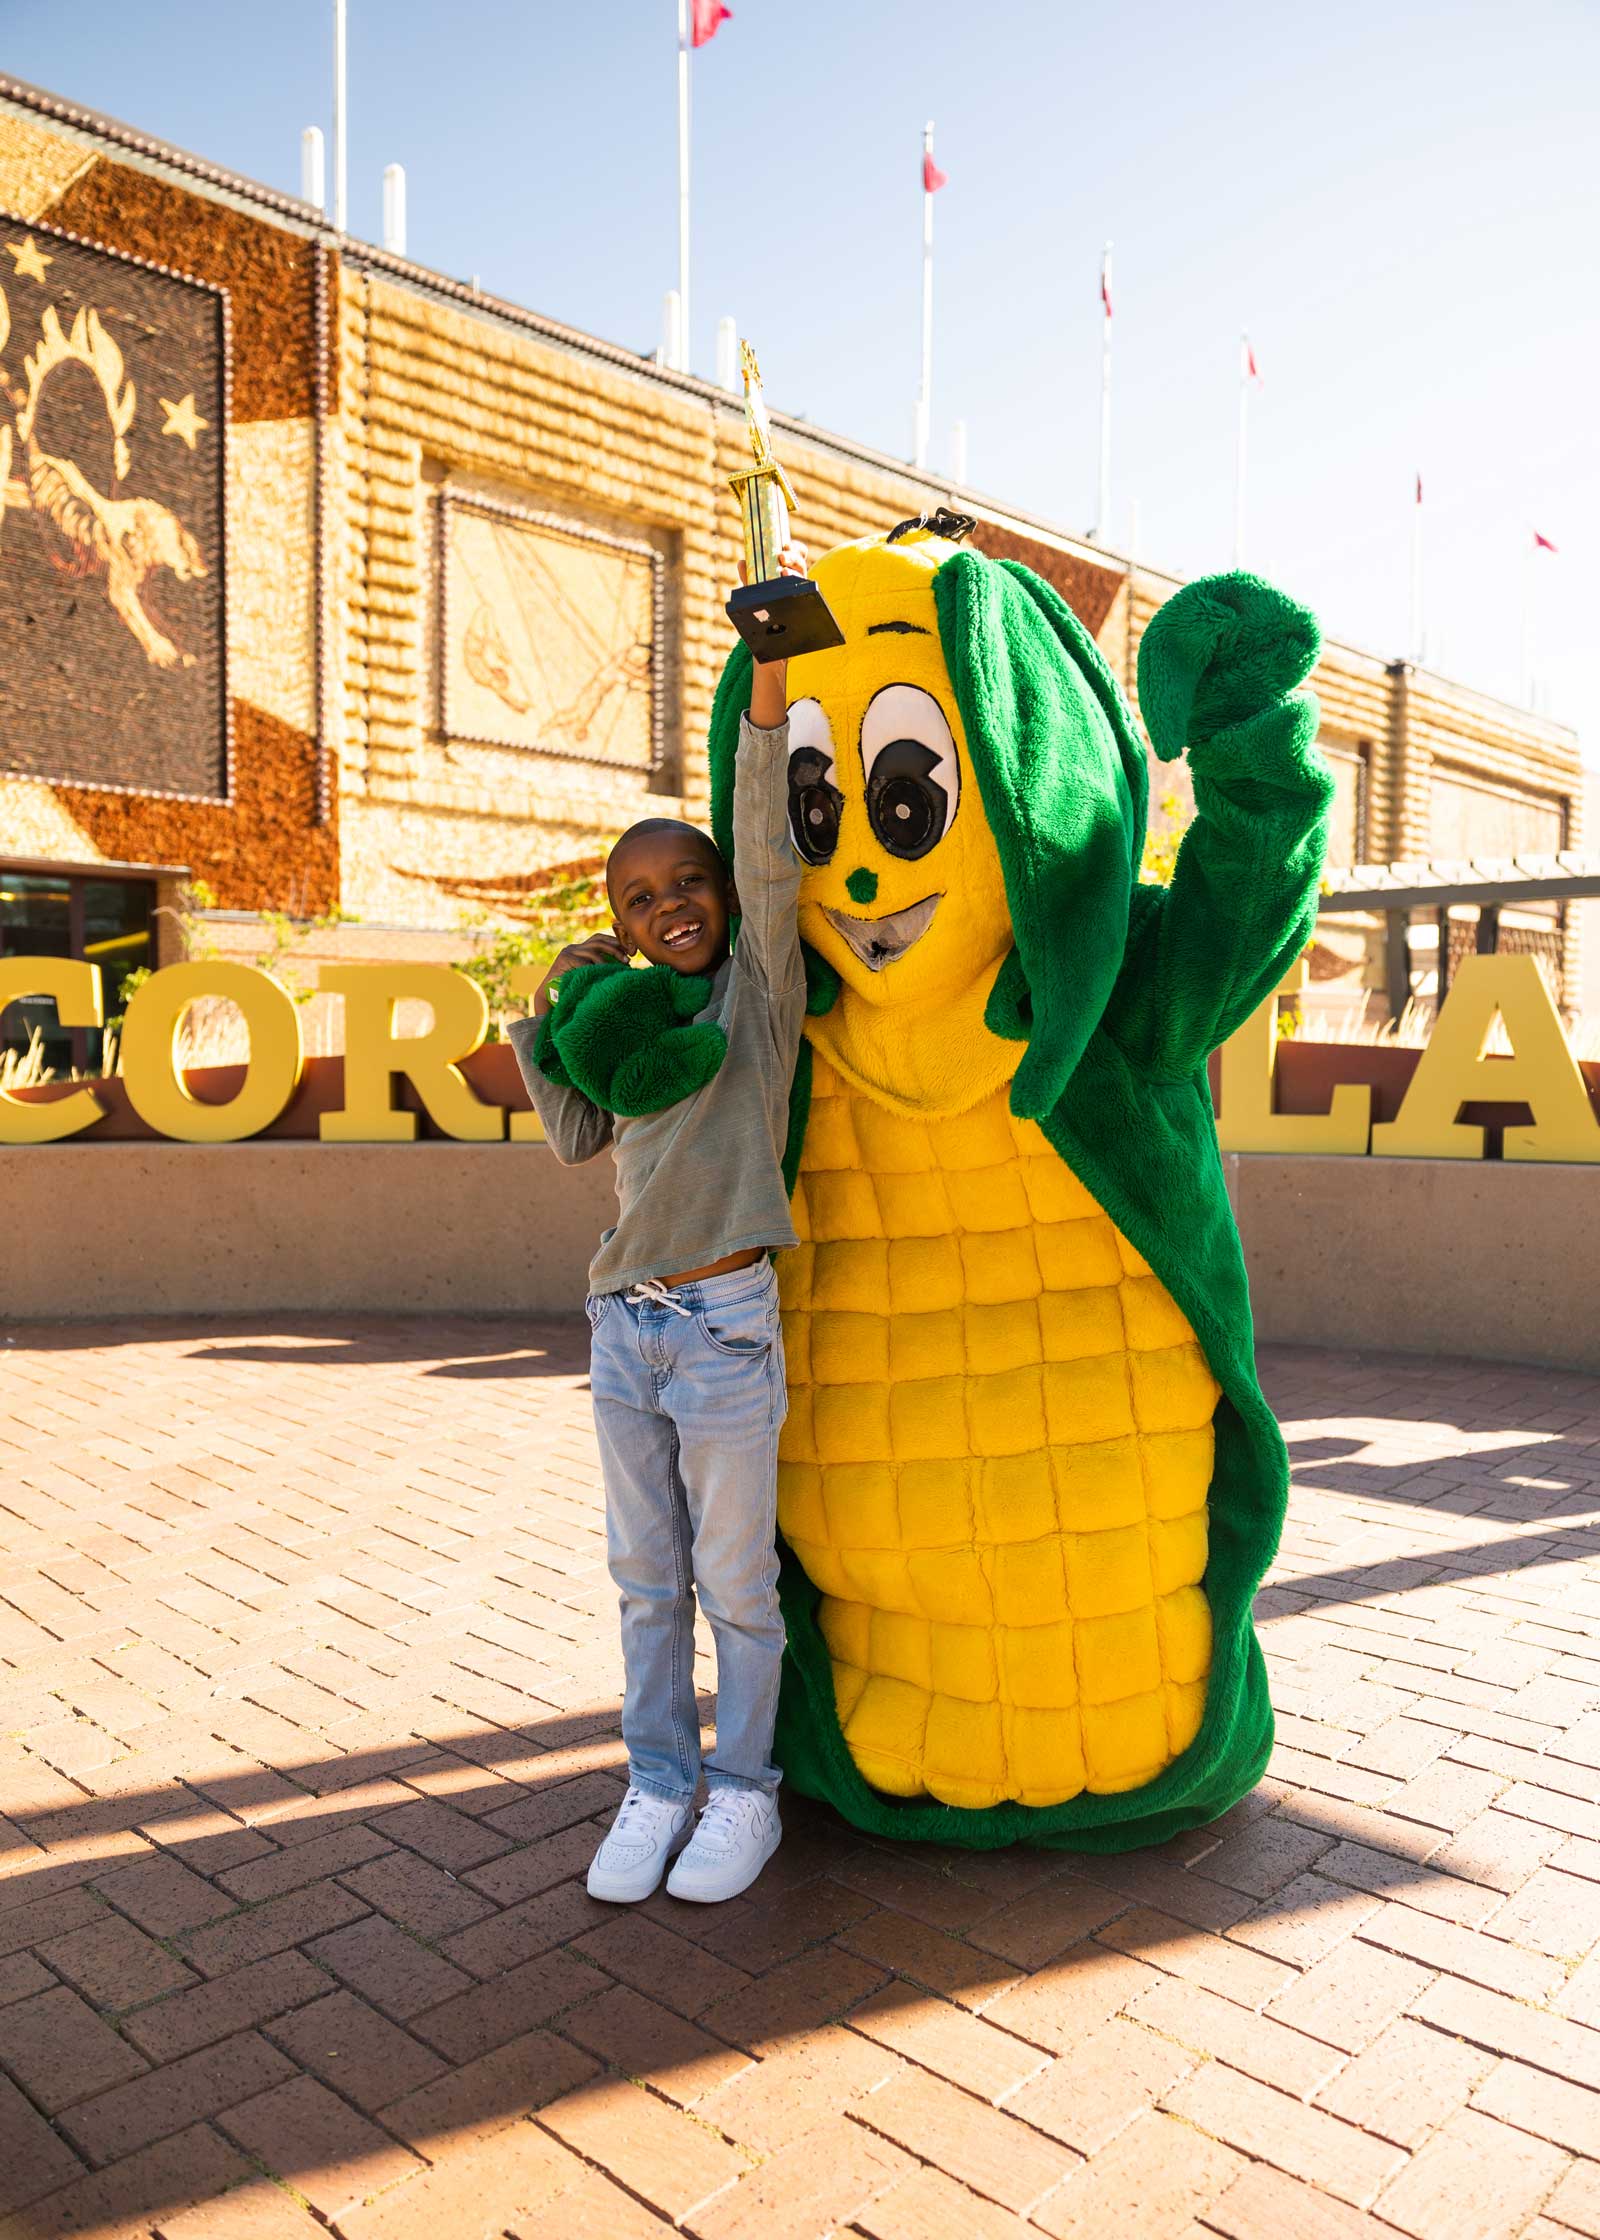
(883, 941)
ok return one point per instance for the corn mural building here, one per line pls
(345, 589)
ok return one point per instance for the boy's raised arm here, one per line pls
(766, 868)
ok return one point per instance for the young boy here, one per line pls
(687, 1371)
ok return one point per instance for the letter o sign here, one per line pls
(156, 1088)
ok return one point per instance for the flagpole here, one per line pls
(1418, 637)
(340, 156)
(1239, 464)
(683, 186)
(925, 391)
(1536, 543)
(1102, 526)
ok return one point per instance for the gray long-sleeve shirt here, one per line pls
(705, 1177)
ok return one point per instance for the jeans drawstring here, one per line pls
(654, 1293)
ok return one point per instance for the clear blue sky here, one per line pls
(1398, 198)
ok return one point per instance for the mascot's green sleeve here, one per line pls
(1029, 1483)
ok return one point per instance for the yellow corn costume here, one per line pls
(1028, 1481)
(996, 1460)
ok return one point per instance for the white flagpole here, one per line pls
(728, 355)
(1239, 466)
(1102, 525)
(1529, 552)
(394, 208)
(670, 351)
(340, 151)
(925, 391)
(313, 169)
(683, 186)
(1418, 638)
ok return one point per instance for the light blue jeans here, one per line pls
(688, 1406)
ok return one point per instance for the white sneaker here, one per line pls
(638, 1844)
(738, 1833)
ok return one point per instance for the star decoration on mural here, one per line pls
(30, 259)
(182, 419)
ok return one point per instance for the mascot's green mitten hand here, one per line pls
(619, 1036)
(1222, 651)
(1219, 668)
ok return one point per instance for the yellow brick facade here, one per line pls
(438, 396)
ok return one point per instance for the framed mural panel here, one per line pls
(113, 479)
(549, 636)
(1471, 816)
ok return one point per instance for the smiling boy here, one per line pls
(687, 1369)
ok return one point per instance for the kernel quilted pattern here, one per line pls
(996, 1462)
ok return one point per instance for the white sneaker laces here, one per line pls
(721, 1822)
(633, 1828)
(654, 1293)
(635, 1806)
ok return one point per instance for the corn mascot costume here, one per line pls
(1029, 1483)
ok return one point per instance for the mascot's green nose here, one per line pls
(862, 886)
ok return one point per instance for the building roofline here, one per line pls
(365, 254)
(1547, 730)
(95, 122)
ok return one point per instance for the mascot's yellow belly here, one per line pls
(996, 1462)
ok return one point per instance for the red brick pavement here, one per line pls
(307, 1730)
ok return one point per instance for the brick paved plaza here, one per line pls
(307, 1660)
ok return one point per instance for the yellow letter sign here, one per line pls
(374, 1054)
(157, 1090)
(75, 988)
(1452, 1071)
(1248, 1122)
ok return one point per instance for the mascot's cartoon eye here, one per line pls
(815, 802)
(913, 777)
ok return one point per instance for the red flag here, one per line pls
(1543, 543)
(1419, 489)
(932, 177)
(707, 18)
(1252, 372)
(1105, 284)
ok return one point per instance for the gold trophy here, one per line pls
(777, 616)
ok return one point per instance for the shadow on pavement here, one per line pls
(265, 1953)
(554, 1345)
(500, 1986)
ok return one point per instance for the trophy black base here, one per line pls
(780, 620)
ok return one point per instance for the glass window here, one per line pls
(118, 936)
(35, 921)
(1347, 819)
(111, 922)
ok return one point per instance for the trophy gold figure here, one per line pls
(777, 616)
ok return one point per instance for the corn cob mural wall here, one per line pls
(1029, 1482)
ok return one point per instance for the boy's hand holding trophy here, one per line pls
(778, 616)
